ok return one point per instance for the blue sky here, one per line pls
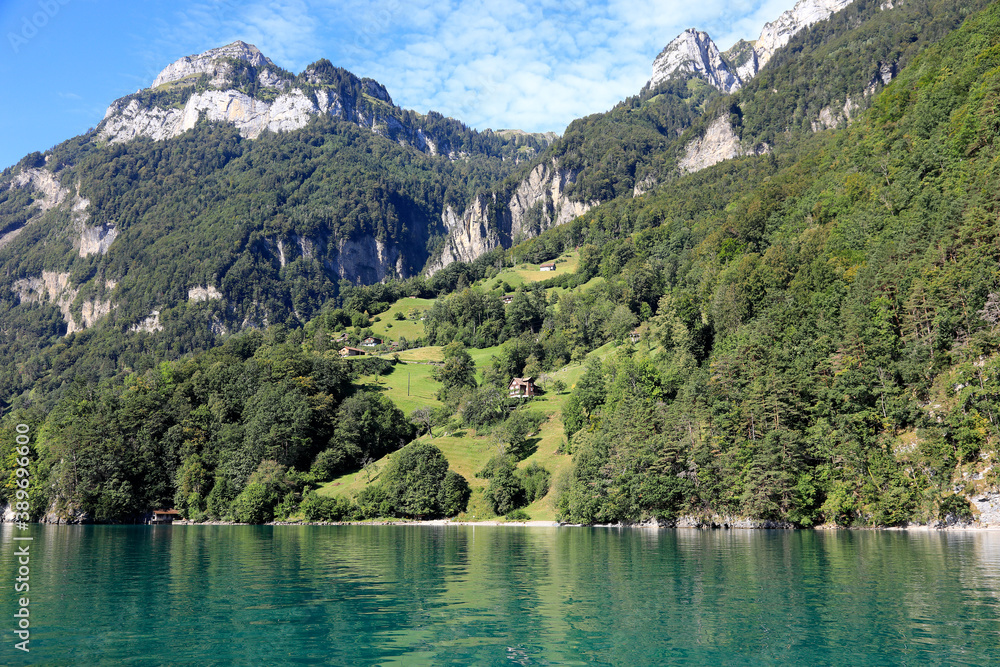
(534, 65)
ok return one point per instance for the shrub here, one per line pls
(319, 508)
(535, 480)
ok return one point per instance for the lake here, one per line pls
(464, 595)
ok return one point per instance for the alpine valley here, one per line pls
(762, 291)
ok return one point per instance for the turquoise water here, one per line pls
(415, 595)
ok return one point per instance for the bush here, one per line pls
(374, 502)
(955, 505)
(535, 480)
(517, 515)
(319, 508)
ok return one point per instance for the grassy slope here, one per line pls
(466, 450)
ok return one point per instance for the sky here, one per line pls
(531, 65)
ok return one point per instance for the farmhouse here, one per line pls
(521, 388)
(371, 341)
(507, 298)
(351, 352)
(551, 266)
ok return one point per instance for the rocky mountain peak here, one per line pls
(805, 13)
(694, 53)
(211, 62)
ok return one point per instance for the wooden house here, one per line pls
(351, 352)
(165, 516)
(507, 298)
(635, 336)
(371, 341)
(521, 388)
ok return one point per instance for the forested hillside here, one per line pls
(816, 327)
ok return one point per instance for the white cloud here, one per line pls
(536, 65)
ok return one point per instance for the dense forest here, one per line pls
(821, 323)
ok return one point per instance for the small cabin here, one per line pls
(521, 388)
(351, 352)
(507, 298)
(635, 336)
(342, 338)
(551, 266)
(165, 516)
(371, 341)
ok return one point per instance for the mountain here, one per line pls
(268, 179)
(694, 53)
(800, 330)
(825, 60)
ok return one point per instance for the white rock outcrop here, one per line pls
(805, 13)
(98, 239)
(150, 325)
(212, 62)
(719, 143)
(199, 293)
(538, 202)
(52, 287)
(694, 53)
(129, 120)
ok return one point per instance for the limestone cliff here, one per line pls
(693, 53)
(216, 63)
(214, 86)
(805, 13)
(493, 220)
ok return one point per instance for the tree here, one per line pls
(458, 371)
(413, 480)
(505, 492)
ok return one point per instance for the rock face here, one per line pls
(214, 63)
(694, 52)
(805, 13)
(988, 505)
(54, 288)
(490, 221)
(278, 106)
(719, 143)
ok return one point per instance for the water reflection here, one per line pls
(507, 595)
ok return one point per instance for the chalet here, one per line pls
(635, 336)
(507, 298)
(551, 266)
(521, 388)
(371, 341)
(351, 352)
(342, 338)
(165, 516)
